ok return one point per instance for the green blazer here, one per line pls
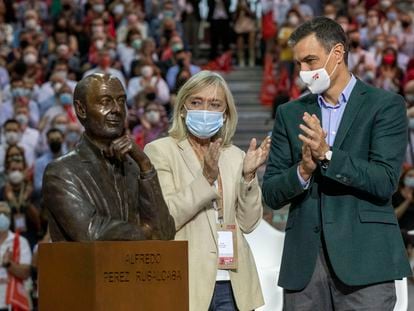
(350, 201)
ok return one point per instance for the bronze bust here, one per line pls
(107, 188)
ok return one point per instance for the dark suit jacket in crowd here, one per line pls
(212, 6)
(90, 197)
(349, 203)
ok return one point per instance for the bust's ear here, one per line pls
(80, 109)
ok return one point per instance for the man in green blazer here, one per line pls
(336, 156)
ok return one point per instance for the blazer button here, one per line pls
(316, 229)
(338, 175)
(249, 188)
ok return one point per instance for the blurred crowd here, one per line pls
(154, 47)
(381, 43)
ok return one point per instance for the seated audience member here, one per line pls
(154, 124)
(13, 265)
(11, 137)
(55, 141)
(18, 192)
(150, 78)
(29, 135)
(182, 60)
(403, 200)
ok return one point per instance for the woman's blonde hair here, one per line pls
(195, 84)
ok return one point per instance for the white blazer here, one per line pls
(189, 198)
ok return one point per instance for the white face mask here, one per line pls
(147, 71)
(57, 86)
(317, 81)
(99, 44)
(4, 222)
(12, 138)
(61, 74)
(118, 9)
(293, 20)
(15, 177)
(153, 117)
(31, 23)
(22, 119)
(203, 123)
(30, 59)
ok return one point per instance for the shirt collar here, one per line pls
(343, 98)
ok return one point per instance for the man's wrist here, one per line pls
(305, 175)
(249, 176)
(324, 163)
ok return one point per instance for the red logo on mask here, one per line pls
(315, 76)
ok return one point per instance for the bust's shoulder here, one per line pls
(66, 163)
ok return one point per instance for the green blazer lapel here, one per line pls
(352, 108)
(312, 107)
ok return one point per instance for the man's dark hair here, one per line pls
(10, 121)
(327, 32)
(54, 130)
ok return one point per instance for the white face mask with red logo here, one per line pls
(317, 81)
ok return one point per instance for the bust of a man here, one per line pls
(106, 188)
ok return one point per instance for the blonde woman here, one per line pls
(212, 191)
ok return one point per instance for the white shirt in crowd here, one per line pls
(25, 258)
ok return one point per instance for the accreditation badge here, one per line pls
(227, 246)
(20, 222)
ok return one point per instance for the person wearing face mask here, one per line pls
(128, 51)
(403, 200)
(285, 53)
(378, 48)
(149, 78)
(360, 61)
(336, 157)
(182, 60)
(13, 265)
(389, 74)
(63, 104)
(29, 135)
(46, 95)
(392, 25)
(133, 21)
(20, 94)
(60, 122)
(11, 137)
(209, 186)
(32, 61)
(73, 135)
(245, 26)
(371, 30)
(105, 67)
(154, 124)
(409, 98)
(402, 59)
(406, 37)
(55, 139)
(18, 192)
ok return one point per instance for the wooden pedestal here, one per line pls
(113, 276)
